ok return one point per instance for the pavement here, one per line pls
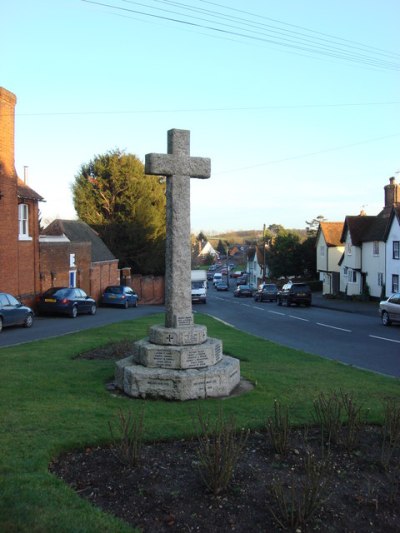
(345, 305)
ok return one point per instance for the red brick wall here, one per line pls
(55, 257)
(8, 201)
(101, 275)
(151, 289)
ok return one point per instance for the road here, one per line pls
(354, 339)
(54, 326)
(351, 338)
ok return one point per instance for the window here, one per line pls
(395, 283)
(375, 248)
(72, 278)
(352, 276)
(322, 251)
(396, 249)
(380, 279)
(23, 221)
(348, 248)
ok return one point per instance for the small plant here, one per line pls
(354, 422)
(328, 415)
(127, 435)
(390, 430)
(279, 428)
(219, 448)
(298, 502)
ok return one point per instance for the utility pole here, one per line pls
(264, 266)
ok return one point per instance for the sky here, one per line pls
(297, 104)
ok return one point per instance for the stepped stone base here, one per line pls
(178, 336)
(189, 356)
(142, 382)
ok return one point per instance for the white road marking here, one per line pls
(260, 308)
(384, 339)
(299, 318)
(333, 327)
(277, 313)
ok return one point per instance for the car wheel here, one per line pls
(126, 304)
(28, 320)
(385, 319)
(279, 302)
(93, 309)
(74, 312)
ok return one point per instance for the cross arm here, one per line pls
(171, 165)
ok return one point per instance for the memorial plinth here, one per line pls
(178, 361)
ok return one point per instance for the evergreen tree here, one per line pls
(112, 194)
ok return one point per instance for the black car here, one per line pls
(67, 301)
(13, 313)
(294, 293)
(221, 286)
(243, 290)
(267, 293)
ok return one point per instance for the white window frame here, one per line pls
(352, 276)
(380, 279)
(396, 249)
(395, 283)
(23, 222)
(322, 251)
(375, 248)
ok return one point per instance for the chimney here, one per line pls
(392, 193)
(7, 120)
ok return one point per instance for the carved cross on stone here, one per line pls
(178, 167)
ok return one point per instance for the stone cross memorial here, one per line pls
(177, 360)
(179, 167)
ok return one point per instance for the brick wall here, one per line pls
(8, 200)
(151, 289)
(55, 264)
(101, 275)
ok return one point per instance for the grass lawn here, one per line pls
(52, 402)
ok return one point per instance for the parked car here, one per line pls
(217, 278)
(13, 312)
(119, 295)
(67, 301)
(210, 275)
(221, 286)
(235, 273)
(390, 309)
(244, 290)
(294, 293)
(242, 280)
(267, 293)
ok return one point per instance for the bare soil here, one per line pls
(353, 492)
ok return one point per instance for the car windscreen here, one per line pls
(114, 290)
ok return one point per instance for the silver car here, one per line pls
(390, 309)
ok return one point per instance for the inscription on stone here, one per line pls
(184, 321)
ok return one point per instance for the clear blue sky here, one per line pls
(296, 103)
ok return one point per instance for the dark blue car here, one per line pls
(67, 301)
(119, 295)
(13, 313)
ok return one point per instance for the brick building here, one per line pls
(19, 230)
(72, 254)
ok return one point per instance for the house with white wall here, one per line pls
(362, 266)
(329, 251)
(392, 249)
(255, 266)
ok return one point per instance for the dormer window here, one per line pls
(23, 222)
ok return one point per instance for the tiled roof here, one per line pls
(26, 193)
(78, 231)
(364, 229)
(332, 231)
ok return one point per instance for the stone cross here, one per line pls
(178, 167)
